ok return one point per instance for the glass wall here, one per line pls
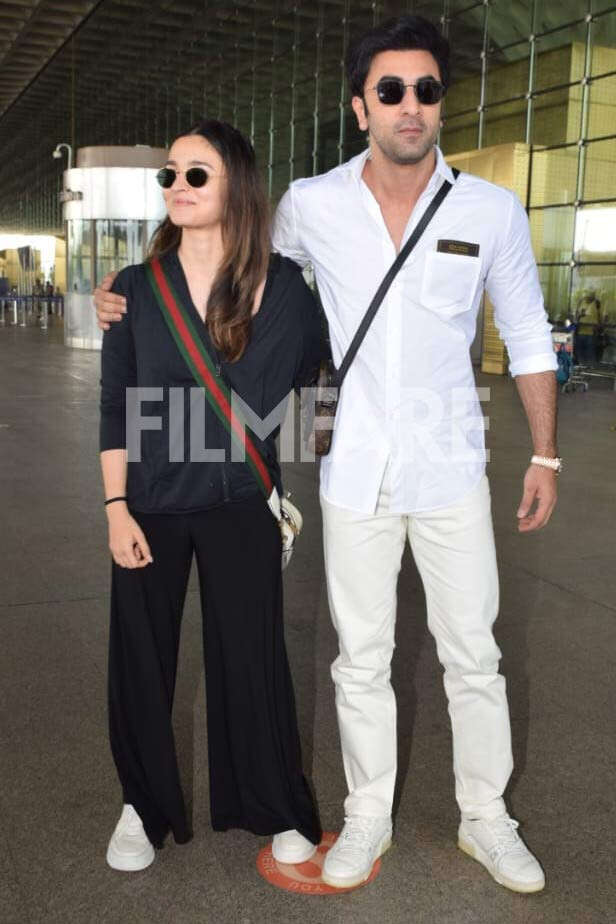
(118, 243)
(539, 72)
(79, 276)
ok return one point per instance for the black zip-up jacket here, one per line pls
(284, 352)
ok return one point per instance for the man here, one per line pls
(589, 325)
(408, 457)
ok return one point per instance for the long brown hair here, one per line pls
(245, 236)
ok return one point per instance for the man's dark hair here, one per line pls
(405, 33)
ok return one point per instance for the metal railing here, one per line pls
(30, 310)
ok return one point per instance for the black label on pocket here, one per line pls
(463, 248)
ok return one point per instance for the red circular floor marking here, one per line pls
(305, 878)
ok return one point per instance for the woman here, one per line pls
(255, 317)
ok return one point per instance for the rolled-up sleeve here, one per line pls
(118, 372)
(514, 289)
(285, 236)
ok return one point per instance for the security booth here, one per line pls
(112, 206)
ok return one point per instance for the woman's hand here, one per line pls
(127, 543)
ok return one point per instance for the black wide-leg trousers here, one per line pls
(256, 778)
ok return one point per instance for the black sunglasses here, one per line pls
(391, 90)
(195, 176)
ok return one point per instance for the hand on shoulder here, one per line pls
(109, 306)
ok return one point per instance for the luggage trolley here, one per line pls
(569, 376)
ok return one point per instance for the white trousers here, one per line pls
(454, 552)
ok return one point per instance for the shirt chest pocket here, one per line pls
(449, 282)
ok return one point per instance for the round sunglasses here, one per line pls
(195, 176)
(391, 90)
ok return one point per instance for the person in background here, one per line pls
(589, 326)
(37, 293)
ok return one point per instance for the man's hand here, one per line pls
(539, 487)
(109, 306)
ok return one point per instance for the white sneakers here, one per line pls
(494, 843)
(292, 847)
(360, 843)
(498, 846)
(129, 848)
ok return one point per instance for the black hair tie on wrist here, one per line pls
(112, 500)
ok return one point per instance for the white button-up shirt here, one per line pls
(409, 398)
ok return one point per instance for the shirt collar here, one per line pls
(442, 169)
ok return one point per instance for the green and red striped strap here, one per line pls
(200, 363)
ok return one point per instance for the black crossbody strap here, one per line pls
(368, 318)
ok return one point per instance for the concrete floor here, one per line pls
(59, 798)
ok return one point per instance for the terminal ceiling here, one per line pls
(98, 72)
(32, 31)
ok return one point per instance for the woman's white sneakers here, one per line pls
(497, 845)
(129, 848)
(361, 842)
(292, 847)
